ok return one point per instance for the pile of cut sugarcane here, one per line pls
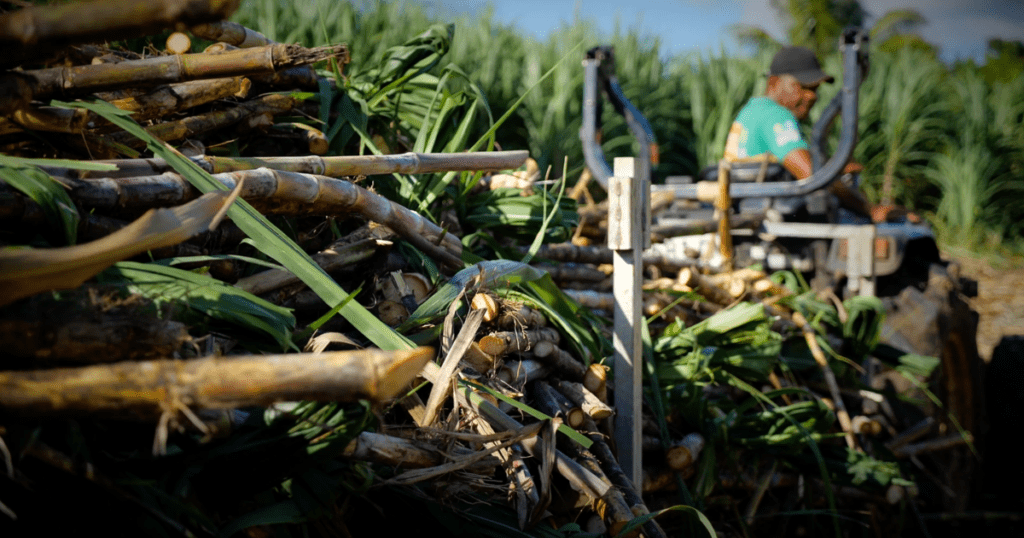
(240, 294)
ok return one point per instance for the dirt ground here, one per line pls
(1000, 301)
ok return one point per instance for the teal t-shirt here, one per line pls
(763, 127)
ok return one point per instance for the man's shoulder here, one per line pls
(764, 109)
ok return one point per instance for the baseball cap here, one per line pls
(801, 63)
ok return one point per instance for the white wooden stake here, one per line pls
(626, 223)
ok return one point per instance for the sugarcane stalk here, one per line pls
(329, 260)
(15, 92)
(528, 493)
(574, 272)
(481, 462)
(596, 381)
(612, 507)
(865, 425)
(35, 31)
(502, 342)
(657, 479)
(398, 452)
(83, 79)
(302, 76)
(487, 303)
(911, 434)
(231, 33)
(316, 141)
(211, 121)
(711, 292)
(178, 43)
(367, 165)
(275, 192)
(567, 252)
(579, 395)
(77, 339)
(170, 98)
(552, 403)
(161, 101)
(520, 318)
(592, 299)
(413, 404)
(478, 360)
(946, 443)
(518, 373)
(149, 388)
(509, 181)
(581, 479)
(685, 453)
(618, 478)
(333, 166)
(52, 119)
(559, 359)
(8, 127)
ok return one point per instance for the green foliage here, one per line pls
(738, 340)
(206, 296)
(863, 468)
(780, 429)
(43, 190)
(1004, 61)
(509, 213)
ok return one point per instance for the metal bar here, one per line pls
(813, 230)
(592, 153)
(626, 238)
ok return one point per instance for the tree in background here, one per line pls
(1004, 61)
(817, 25)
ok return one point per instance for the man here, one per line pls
(767, 127)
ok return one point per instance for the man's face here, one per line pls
(797, 97)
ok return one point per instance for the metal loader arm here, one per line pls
(599, 70)
(854, 49)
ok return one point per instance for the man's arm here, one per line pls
(798, 162)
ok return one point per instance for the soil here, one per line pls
(1000, 300)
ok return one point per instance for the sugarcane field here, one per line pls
(345, 269)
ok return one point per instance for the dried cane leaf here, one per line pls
(441, 390)
(24, 272)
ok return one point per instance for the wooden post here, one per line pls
(723, 205)
(626, 223)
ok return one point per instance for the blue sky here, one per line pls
(960, 28)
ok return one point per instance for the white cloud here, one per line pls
(761, 14)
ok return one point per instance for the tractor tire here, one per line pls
(939, 322)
